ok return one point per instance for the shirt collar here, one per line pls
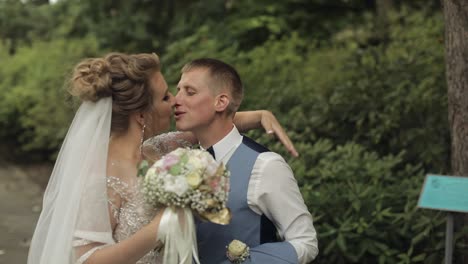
(225, 145)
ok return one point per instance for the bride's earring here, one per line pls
(142, 137)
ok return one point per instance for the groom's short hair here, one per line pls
(225, 76)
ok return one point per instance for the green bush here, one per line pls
(364, 206)
(389, 98)
(369, 121)
(35, 109)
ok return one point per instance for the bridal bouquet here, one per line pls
(183, 181)
(189, 178)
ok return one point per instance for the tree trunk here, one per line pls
(12, 47)
(456, 61)
(383, 10)
(383, 6)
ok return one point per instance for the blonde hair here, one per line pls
(124, 77)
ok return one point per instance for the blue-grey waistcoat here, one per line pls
(257, 231)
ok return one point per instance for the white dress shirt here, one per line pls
(273, 191)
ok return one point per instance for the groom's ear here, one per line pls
(222, 102)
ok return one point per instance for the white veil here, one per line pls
(75, 201)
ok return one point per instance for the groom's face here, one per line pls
(194, 101)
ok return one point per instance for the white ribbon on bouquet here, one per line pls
(177, 232)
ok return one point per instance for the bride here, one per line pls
(93, 211)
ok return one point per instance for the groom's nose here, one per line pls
(176, 101)
(177, 98)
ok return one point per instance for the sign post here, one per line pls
(449, 239)
(445, 193)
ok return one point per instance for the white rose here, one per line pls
(236, 248)
(177, 185)
(210, 164)
(195, 162)
(237, 251)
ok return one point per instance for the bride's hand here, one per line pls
(273, 127)
(247, 120)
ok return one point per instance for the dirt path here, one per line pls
(20, 205)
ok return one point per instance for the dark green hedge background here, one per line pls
(362, 94)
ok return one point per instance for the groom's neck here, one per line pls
(213, 133)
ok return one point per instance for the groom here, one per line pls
(268, 211)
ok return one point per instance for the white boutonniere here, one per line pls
(237, 251)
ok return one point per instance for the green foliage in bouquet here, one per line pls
(143, 167)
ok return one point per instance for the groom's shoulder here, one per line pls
(254, 145)
(265, 155)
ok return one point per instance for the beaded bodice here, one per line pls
(132, 214)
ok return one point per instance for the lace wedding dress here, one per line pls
(86, 206)
(128, 209)
(133, 213)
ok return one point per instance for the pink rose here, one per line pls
(170, 160)
(214, 183)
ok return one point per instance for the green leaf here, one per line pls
(419, 258)
(340, 240)
(175, 169)
(143, 168)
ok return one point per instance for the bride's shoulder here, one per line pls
(121, 177)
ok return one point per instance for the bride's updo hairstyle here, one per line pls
(124, 77)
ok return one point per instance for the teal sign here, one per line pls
(446, 193)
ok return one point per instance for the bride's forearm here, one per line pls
(248, 120)
(130, 250)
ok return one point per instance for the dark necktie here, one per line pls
(211, 151)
